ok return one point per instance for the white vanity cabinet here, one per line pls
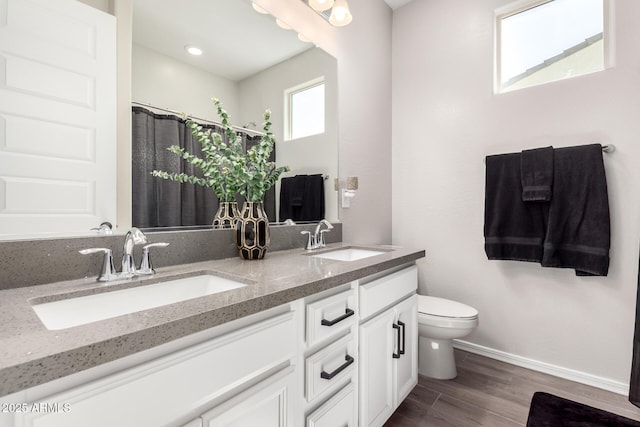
(388, 344)
(248, 373)
(346, 356)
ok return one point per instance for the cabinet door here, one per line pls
(377, 341)
(267, 404)
(406, 366)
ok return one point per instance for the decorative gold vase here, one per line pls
(252, 231)
(226, 216)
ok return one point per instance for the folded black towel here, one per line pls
(570, 231)
(578, 233)
(537, 174)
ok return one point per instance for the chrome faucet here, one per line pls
(133, 237)
(316, 240)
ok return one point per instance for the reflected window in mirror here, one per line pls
(304, 109)
(543, 41)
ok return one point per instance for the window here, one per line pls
(548, 40)
(304, 106)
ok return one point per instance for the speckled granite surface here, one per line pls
(39, 261)
(31, 355)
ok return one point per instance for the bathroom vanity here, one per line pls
(320, 338)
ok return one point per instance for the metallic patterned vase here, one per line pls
(252, 231)
(226, 216)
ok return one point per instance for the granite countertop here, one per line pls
(30, 354)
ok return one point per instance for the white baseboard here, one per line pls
(547, 368)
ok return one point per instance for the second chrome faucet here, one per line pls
(316, 240)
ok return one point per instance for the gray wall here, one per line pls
(363, 51)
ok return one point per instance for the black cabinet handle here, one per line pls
(403, 325)
(327, 376)
(347, 313)
(397, 355)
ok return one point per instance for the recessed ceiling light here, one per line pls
(195, 51)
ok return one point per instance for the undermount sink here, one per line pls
(81, 310)
(348, 254)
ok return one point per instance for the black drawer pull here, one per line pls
(397, 355)
(347, 313)
(327, 376)
(404, 327)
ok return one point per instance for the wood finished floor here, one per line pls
(491, 393)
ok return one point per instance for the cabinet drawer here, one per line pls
(326, 368)
(339, 411)
(160, 392)
(385, 291)
(329, 316)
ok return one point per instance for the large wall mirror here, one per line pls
(249, 62)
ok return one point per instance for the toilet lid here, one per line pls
(443, 307)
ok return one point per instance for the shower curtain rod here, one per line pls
(178, 113)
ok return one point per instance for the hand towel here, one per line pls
(537, 174)
(302, 198)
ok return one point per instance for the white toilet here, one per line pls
(439, 321)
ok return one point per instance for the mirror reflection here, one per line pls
(250, 64)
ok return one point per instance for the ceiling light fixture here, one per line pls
(321, 5)
(340, 14)
(193, 50)
(335, 11)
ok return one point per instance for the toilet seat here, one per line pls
(434, 308)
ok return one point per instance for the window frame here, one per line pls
(520, 6)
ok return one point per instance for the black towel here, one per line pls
(537, 174)
(571, 231)
(513, 230)
(302, 198)
(578, 234)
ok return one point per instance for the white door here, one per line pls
(377, 341)
(267, 404)
(406, 366)
(57, 116)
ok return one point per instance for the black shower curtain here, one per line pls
(158, 202)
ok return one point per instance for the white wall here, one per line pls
(446, 119)
(165, 82)
(363, 51)
(316, 154)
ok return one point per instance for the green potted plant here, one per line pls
(228, 170)
(219, 165)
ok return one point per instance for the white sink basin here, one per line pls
(91, 308)
(348, 254)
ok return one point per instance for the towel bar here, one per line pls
(609, 148)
